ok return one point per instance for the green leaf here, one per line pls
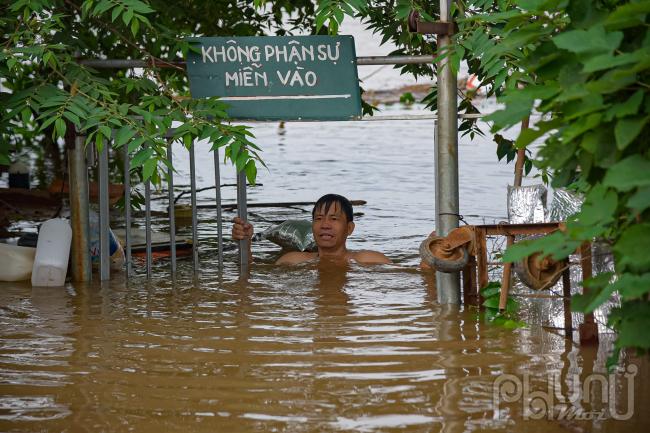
(72, 118)
(60, 127)
(105, 131)
(598, 291)
(627, 108)
(632, 321)
(148, 168)
(492, 289)
(640, 201)
(124, 134)
(251, 171)
(596, 39)
(513, 113)
(493, 303)
(555, 244)
(116, 12)
(599, 207)
(627, 129)
(631, 286)
(140, 157)
(631, 172)
(127, 16)
(135, 27)
(628, 15)
(527, 136)
(631, 249)
(607, 61)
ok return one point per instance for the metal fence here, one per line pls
(104, 208)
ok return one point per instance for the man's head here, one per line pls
(332, 221)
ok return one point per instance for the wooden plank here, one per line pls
(519, 229)
(588, 329)
(481, 260)
(566, 301)
(505, 280)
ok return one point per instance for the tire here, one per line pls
(440, 264)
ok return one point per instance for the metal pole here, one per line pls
(172, 221)
(242, 211)
(448, 285)
(217, 183)
(195, 237)
(147, 224)
(127, 210)
(78, 183)
(104, 226)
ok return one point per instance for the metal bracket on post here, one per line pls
(242, 211)
(430, 28)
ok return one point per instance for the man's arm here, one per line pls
(371, 258)
(243, 230)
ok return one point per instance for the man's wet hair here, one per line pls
(326, 202)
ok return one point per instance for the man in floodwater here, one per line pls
(332, 223)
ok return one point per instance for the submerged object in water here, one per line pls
(52, 253)
(17, 262)
(291, 235)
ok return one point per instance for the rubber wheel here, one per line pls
(439, 264)
(536, 276)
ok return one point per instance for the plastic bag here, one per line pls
(291, 235)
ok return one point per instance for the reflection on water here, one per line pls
(319, 347)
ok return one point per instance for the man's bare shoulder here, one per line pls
(367, 257)
(295, 257)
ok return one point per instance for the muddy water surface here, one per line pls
(307, 348)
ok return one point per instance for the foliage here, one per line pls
(46, 91)
(387, 18)
(583, 67)
(586, 69)
(508, 318)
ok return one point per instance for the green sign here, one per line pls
(278, 77)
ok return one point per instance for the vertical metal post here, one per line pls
(78, 184)
(172, 221)
(217, 183)
(127, 210)
(448, 285)
(147, 223)
(195, 237)
(104, 225)
(242, 211)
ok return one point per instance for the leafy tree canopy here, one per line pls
(46, 91)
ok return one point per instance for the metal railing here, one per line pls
(241, 205)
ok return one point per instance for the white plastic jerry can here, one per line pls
(52, 252)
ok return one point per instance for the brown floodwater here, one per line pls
(317, 347)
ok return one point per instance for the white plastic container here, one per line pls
(16, 262)
(52, 252)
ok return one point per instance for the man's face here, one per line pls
(331, 228)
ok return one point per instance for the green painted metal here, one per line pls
(278, 77)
